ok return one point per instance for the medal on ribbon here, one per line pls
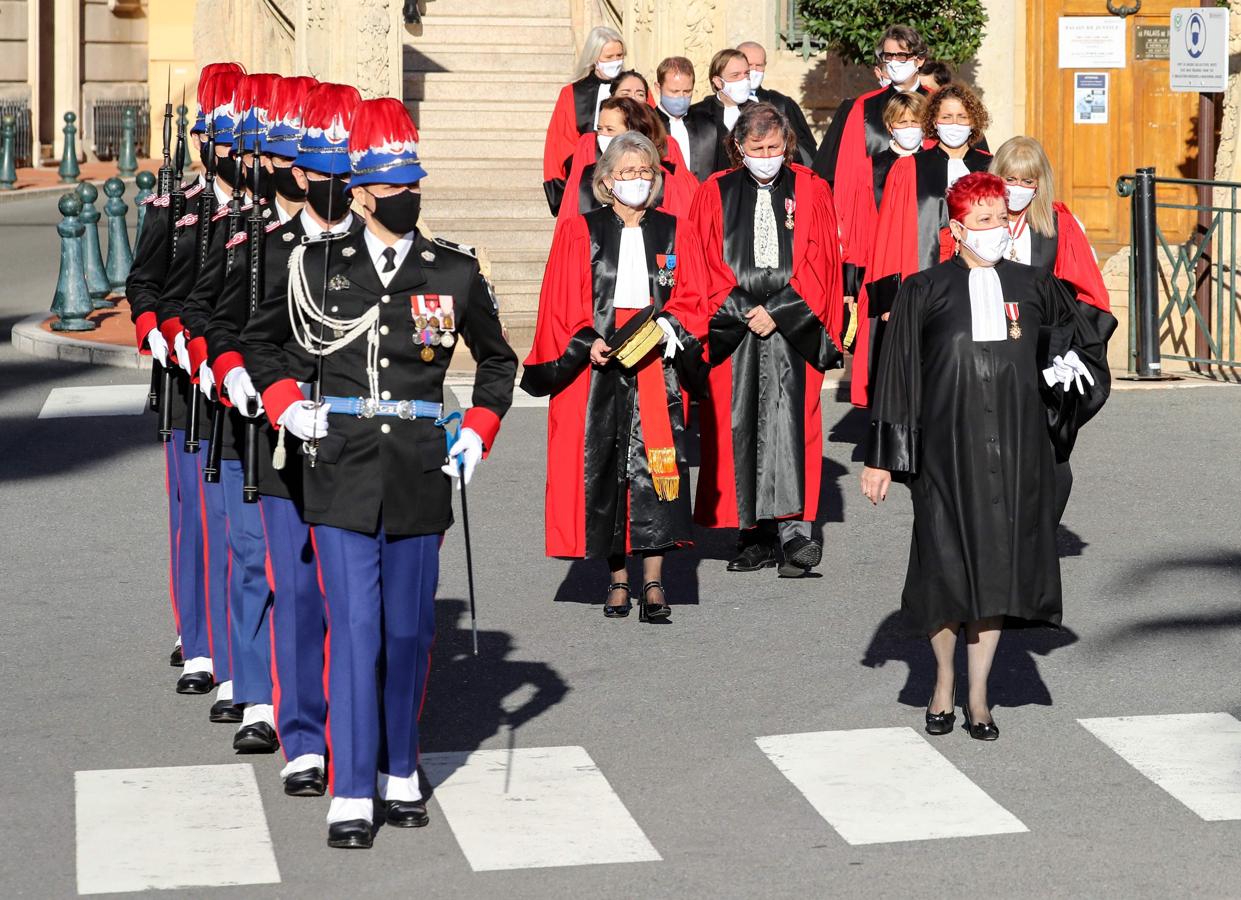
(1013, 312)
(434, 322)
(667, 275)
(790, 205)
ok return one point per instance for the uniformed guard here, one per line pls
(382, 311)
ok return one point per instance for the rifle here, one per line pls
(257, 237)
(163, 189)
(206, 212)
(211, 471)
(176, 209)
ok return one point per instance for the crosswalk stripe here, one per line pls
(95, 400)
(881, 785)
(1195, 757)
(533, 808)
(176, 827)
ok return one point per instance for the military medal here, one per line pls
(1013, 312)
(428, 355)
(338, 283)
(447, 340)
(789, 206)
(667, 276)
(433, 322)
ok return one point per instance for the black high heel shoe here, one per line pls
(979, 731)
(617, 612)
(653, 612)
(940, 723)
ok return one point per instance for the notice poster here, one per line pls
(1092, 42)
(1090, 98)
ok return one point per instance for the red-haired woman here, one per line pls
(616, 116)
(906, 238)
(988, 371)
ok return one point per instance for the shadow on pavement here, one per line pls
(1015, 678)
(1143, 575)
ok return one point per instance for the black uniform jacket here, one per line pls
(708, 137)
(385, 471)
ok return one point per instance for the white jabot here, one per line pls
(375, 247)
(766, 238)
(987, 305)
(633, 286)
(680, 134)
(956, 170)
(313, 228)
(605, 91)
(731, 115)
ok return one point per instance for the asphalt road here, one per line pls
(669, 715)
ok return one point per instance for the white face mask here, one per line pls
(884, 82)
(633, 192)
(738, 91)
(610, 70)
(900, 72)
(604, 140)
(989, 244)
(908, 138)
(1019, 197)
(953, 135)
(756, 79)
(764, 168)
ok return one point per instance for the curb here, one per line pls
(26, 193)
(30, 338)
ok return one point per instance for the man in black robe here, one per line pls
(756, 55)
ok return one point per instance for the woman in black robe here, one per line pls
(988, 370)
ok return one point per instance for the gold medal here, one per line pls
(1014, 330)
(448, 324)
(427, 354)
(420, 322)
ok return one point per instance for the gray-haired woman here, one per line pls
(617, 479)
(577, 107)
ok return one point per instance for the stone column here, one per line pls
(33, 49)
(67, 54)
(353, 41)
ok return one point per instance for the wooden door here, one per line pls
(1147, 124)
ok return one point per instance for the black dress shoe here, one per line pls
(356, 834)
(620, 610)
(654, 612)
(753, 558)
(225, 711)
(803, 552)
(177, 658)
(404, 814)
(980, 731)
(940, 723)
(307, 783)
(195, 683)
(257, 738)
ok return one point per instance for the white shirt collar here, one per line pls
(311, 227)
(375, 247)
(281, 214)
(220, 197)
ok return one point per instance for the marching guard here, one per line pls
(381, 310)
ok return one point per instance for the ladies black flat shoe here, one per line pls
(622, 610)
(653, 612)
(940, 723)
(980, 731)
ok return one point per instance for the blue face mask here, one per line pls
(675, 106)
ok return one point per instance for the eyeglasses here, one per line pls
(897, 57)
(646, 172)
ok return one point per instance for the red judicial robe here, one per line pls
(754, 380)
(906, 239)
(679, 188)
(590, 423)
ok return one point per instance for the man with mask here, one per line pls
(717, 113)
(381, 311)
(756, 56)
(695, 136)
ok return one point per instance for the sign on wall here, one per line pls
(1198, 49)
(1092, 42)
(1150, 42)
(1090, 98)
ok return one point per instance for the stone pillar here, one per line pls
(67, 54)
(655, 30)
(1001, 82)
(33, 49)
(353, 41)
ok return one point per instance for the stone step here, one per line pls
(518, 60)
(509, 235)
(431, 115)
(474, 191)
(481, 31)
(483, 144)
(493, 84)
(508, 266)
(483, 207)
(500, 9)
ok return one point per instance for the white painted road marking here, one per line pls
(178, 827)
(95, 400)
(1195, 757)
(533, 808)
(880, 785)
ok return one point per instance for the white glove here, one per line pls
(158, 346)
(242, 392)
(304, 420)
(463, 455)
(671, 342)
(1067, 370)
(206, 381)
(183, 355)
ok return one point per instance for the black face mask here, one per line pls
(399, 212)
(329, 198)
(283, 183)
(226, 169)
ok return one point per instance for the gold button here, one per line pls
(383, 329)
(384, 362)
(385, 428)
(386, 395)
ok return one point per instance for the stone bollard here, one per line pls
(8, 154)
(72, 303)
(69, 170)
(183, 127)
(127, 159)
(146, 187)
(119, 256)
(92, 256)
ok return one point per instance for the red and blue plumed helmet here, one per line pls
(383, 145)
(326, 122)
(204, 87)
(284, 116)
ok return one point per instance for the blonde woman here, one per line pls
(577, 107)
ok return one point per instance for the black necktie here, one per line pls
(389, 256)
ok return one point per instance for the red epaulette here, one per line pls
(187, 220)
(235, 240)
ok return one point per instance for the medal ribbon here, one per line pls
(661, 453)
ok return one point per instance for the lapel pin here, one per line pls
(338, 283)
(428, 256)
(348, 252)
(288, 237)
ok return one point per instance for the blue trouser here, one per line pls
(218, 566)
(381, 606)
(174, 524)
(299, 628)
(190, 587)
(248, 593)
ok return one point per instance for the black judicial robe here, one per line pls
(976, 432)
(703, 137)
(708, 137)
(797, 121)
(824, 164)
(573, 116)
(600, 499)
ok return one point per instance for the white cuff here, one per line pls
(395, 787)
(224, 691)
(304, 763)
(198, 664)
(258, 712)
(346, 809)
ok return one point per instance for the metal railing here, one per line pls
(791, 30)
(22, 143)
(108, 122)
(1183, 293)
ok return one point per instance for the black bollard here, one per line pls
(69, 170)
(119, 256)
(146, 187)
(71, 303)
(8, 154)
(92, 255)
(127, 159)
